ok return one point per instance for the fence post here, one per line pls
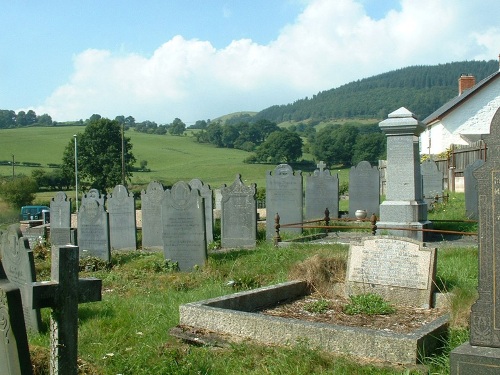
(327, 219)
(373, 222)
(277, 238)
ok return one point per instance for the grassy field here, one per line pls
(170, 158)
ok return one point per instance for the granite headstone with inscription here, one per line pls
(400, 270)
(14, 350)
(183, 219)
(471, 193)
(432, 181)
(207, 195)
(322, 192)
(60, 219)
(121, 210)
(481, 355)
(93, 229)
(239, 215)
(151, 216)
(364, 189)
(19, 266)
(284, 196)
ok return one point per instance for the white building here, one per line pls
(465, 118)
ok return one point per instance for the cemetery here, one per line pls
(171, 288)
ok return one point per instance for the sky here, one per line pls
(195, 60)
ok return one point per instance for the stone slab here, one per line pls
(122, 220)
(400, 270)
(473, 360)
(364, 189)
(237, 315)
(151, 216)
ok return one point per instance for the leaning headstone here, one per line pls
(239, 215)
(284, 196)
(151, 216)
(432, 181)
(481, 355)
(121, 210)
(93, 229)
(19, 266)
(471, 193)
(322, 192)
(403, 213)
(402, 271)
(207, 195)
(183, 219)
(60, 219)
(14, 349)
(63, 294)
(364, 189)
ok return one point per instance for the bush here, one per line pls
(19, 191)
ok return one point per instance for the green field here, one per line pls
(170, 158)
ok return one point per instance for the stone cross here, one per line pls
(321, 166)
(63, 294)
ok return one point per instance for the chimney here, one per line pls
(465, 82)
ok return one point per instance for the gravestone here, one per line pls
(218, 199)
(471, 193)
(402, 271)
(322, 192)
(14, 349)
(93, 229)
(403, 213)
(481, 355)
(121, 211)
(207, 195)
(94, 194)
(239, 215)
(432, 181)
(284, 196)
(19, 266)
(183, 219)
(60, 219)
(63, 294)
(151, 216)
(35, 235)
(364, 189)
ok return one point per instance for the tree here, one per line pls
(369, 147)
(19, 191)
(177, 127)
(44, 120)
(280, 146)
(99, 150)
(335, 144)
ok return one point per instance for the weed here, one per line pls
(317, 307)
(369, 304)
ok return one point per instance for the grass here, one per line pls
(369, 303)
(127, 332)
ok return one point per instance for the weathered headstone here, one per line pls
(432, 181)
(239, 215)
(93, 229)
(322, 192)
(151, 216)
(284, 196)
(60, 219)
(121, 211)
(14, 349)
(471, 193)
(218, 199)
(364, 189)
(94, 194)
(19, 266)
(403, 213)
(402, 271)
(63, 294)
(35, 235)
(183, 218)
(207, 195)
(481, 355)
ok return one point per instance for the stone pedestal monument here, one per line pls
(482, 354)
(404, 207)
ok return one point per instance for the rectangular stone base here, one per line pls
(473, 360)
(413, 229)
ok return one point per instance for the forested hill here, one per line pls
(421, 89)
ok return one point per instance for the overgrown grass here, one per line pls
(127, 332)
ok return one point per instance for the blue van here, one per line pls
(34, 212)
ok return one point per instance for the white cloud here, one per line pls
(329, 44)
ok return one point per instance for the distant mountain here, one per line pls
(421, 89)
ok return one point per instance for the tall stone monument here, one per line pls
(481, 355)
(322, 192)
(404, 206)
(284, 196)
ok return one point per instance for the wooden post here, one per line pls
(277, 238)
(373, 222)
(327, 219)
